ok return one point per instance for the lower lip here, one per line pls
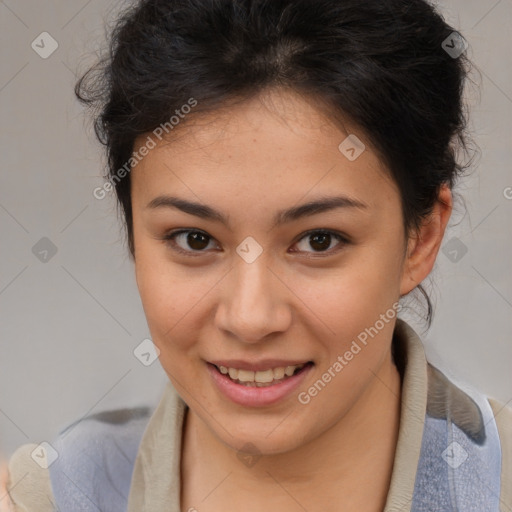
(253, 396)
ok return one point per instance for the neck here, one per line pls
(353, 459)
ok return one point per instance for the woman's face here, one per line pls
(246, 284)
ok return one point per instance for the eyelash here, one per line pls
(170, 237)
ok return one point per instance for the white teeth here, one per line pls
(289, 370)
(260, 377)
(245, 375)
(264, 376)
(278, 373)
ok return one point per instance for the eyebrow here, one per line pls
(204, 211)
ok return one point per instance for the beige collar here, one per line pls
(156, 480)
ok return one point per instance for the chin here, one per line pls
(264, 440)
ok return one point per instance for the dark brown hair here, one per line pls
(380, 63)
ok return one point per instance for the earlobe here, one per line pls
(423, 246)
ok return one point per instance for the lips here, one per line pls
(256, 394)
(262, 365)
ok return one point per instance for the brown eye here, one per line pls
(188, 241)
(197, 241)
(320, 241)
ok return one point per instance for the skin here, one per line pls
(6, 504)
(294, 301)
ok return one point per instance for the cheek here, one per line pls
(355, 308)
(169, 309)
(356, 293)
(165, 297)
(174, 305)
(358, 309)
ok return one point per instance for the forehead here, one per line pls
(279, 147)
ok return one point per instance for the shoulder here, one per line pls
(89, 464)
(28, 481)
(503, 416)
(480, 427)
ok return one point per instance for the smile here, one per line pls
(260, 378)
(258, 388)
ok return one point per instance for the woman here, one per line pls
(284, 169)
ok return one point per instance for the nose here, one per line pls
(254, 303)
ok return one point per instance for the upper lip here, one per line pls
(257, 366)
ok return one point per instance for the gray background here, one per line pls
(69, 325)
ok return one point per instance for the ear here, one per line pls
(423, 246)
